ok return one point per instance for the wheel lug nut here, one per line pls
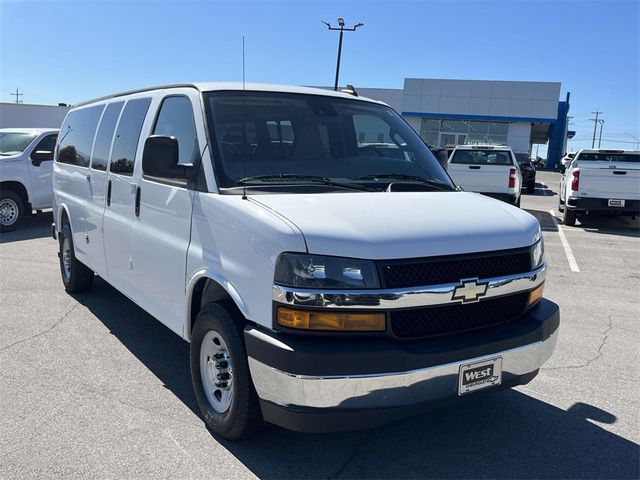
(219, 356)
(221, 384)
(223, 376)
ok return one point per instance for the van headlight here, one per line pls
(537, 253)
(319, 271)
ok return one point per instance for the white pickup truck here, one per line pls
(487, 169)
(601, 181)
(325, 280)
(26, 156)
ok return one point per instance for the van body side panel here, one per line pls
(240, 240)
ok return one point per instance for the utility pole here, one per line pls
(595, 124)
(637, 140)
(601, 122)
(341, 29)
(17, 95)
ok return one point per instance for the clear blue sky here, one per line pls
(74, 51)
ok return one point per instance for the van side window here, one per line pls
(76, 136)
(125, 145)
(176, 120)
(104, 136)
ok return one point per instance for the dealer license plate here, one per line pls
(476, 376)
(616, 203)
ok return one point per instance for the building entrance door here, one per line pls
(452, 139)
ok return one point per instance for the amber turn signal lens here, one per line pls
(536, 294)
(331, 321)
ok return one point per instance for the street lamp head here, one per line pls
(341, 22)
(358, 25)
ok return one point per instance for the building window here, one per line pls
(442, 132)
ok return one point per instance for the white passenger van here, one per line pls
(487, 169)
(325, 280)
(601, 181)
(26, 158)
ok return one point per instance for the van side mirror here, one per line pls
(160, 158)
(41, 156)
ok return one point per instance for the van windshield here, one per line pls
(481, 157)
(265, 139)
(13, 143)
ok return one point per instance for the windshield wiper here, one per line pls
(288, 178)
(409, 178)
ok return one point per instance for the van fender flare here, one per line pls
(61, 208)
(210, 274)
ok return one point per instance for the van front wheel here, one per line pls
(220, 375)
(76, 276)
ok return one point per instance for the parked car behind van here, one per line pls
(325, 269)
(488, 169)
(26, 156)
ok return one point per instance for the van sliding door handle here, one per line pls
(109, 193)
(474, 167)
(138, 201)
(619, 172)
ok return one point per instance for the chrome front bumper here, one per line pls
(380, 390)
(405, 297)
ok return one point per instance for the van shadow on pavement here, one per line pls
(505, 435)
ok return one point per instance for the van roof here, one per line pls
(254, 87)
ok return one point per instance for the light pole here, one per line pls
(341, 29)
(637, 140)
(601, 122)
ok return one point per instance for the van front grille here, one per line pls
(449, 319)
(452, 269)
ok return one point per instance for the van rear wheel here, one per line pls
(76, 276)
(220, 374)
(11, 211)
(569, 217)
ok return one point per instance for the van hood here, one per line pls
(390, 225)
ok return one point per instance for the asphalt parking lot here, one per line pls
(93, 387)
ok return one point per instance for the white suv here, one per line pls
(487, 169)
(320, 261)
(26, 156)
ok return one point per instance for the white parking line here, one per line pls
(573, 265)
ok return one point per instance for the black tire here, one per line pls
(569, 217)
(531, 187)
(517, 202)
(11, 210)
(243, 416)
(560, 205)
(76, 276)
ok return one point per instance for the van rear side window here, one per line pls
(104, 136)
(76, 136)
(125, 145)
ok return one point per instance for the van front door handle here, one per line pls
(109, 193)
(137, 201)
(619, 172)
(474, 167)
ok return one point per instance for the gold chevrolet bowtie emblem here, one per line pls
(470, 291)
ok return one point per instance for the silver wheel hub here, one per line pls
(216, 371)
(8, 212)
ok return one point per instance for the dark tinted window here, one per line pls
(76, 135)
(47, 144)
(176, 120)
(609, 157)
(104, 136)
(269, 134)
(123, 155)
(481, 157)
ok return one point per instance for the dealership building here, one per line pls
(456, 112)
